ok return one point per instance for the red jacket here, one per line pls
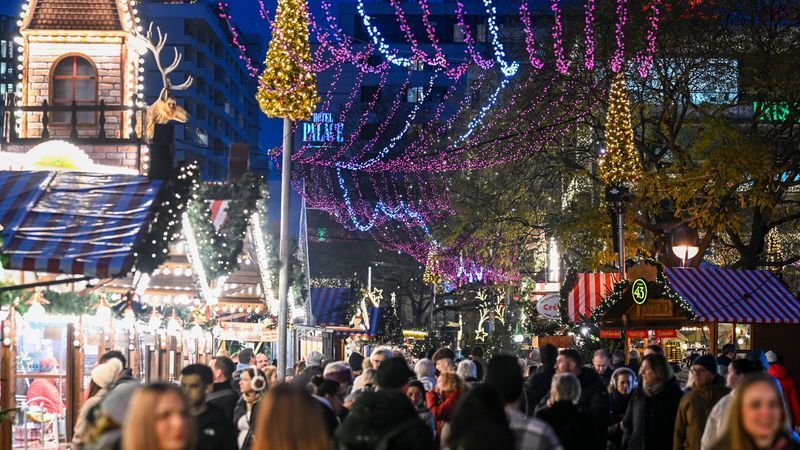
(442, 407)
(45, 393)
(789, 390)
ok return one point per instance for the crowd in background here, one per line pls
(390, 401)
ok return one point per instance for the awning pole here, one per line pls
(44, 283)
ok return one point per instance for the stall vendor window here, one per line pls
(725, 334)
(40, 383)
(743, 337)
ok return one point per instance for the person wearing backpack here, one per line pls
(385, 419)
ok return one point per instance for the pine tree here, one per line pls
(288, 86)
(390, 330)
(620, 162)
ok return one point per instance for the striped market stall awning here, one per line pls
(328, 306)
(73, 222)
(729, 295)
(589, 291)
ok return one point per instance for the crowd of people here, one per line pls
(389, 401)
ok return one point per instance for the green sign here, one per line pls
(639, 291)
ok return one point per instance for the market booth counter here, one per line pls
(702, 309)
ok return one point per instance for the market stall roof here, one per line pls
(328, 306)
(73, 222)
(589, 291)
(728, 295)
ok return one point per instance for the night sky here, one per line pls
(245, 13)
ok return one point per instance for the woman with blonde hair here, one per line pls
(158, 419)
(757, 418)
(443, 398)
(290, 419)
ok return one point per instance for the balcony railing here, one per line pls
(106, 124)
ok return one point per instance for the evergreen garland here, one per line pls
(165, 227)
(220, 249)
(662, 290)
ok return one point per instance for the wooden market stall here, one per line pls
(62, 232)
(712, 307)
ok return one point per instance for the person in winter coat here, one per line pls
(44, 392)
(442, 400)
(594, 395)
(623, 382)
(252, 384)
(563, 415)
(788, 386)
(385, 418)
(102, 377)
(480, 422)
(313, 369)
(601, 362)
(650, 417)
(717, 422)
(756, 418)
(696, 405)
(538, 384)
(426, 372)
(415, 392)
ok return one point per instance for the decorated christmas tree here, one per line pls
(619, 164)
(390, 329)
(288, 86)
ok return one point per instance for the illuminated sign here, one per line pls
(637, 334)
(610, 334)
(547, 307)
(639, 291)
(322, 129)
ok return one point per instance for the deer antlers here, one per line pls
(156, 49)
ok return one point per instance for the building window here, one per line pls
(415, 94)
(480, 32)
(458, 34)
(74, 79)
(3, 49)
(417, 65)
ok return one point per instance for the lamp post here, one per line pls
(616, 195)
(685, 244)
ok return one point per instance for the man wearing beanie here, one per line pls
(504, 374)
(339, 372)
(386, 415)
(696, 404)
(356, 363)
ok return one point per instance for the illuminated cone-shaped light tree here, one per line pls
(619, 165)
(288, 86)
(288, 89)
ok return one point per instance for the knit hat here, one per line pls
(708, 361)
(105, 374)
(772, 357)
(314, 359)
(393, 374)
(355, 361)
(115, 404)
(338, 372)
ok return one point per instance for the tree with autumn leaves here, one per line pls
(715, 131)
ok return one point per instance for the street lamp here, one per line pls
(685, 244)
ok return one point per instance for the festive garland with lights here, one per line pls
(660, 289)
(165, 227)
(220, 249)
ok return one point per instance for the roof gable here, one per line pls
(93, 15)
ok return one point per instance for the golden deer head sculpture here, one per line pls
(165, 108)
